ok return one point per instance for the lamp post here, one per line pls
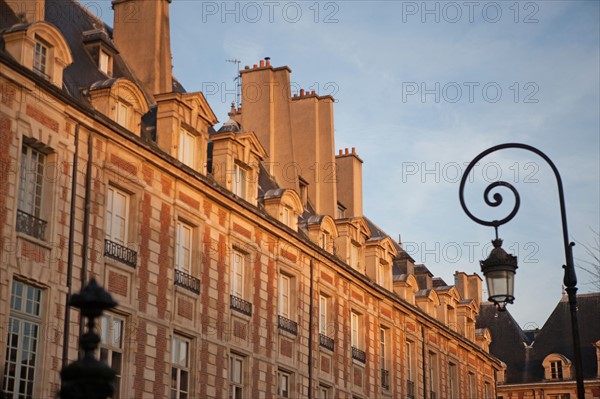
(499, 268)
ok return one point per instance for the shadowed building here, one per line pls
(539, 362)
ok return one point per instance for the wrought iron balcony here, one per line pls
(359, 355)
(186, 281)
(410, 389)
(120, 253)
(385, 379)
(288, 325)
(240, 305)
(31, 225)
(326, 342)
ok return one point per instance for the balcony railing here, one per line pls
(288, 325)
(410, 389)
(385, 379)
(326, 342)
(186, 281)
(120, 253)
(359, 355)
(239, 305)
(31, 225)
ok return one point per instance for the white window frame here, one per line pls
(356, 330)
(111, 347)
(284, 383)
(453, 380)
(381, 274)
(180, 367)
(26, 302)
(409, 361)
(236, 380)
(122, 113)
(239, 181)
(187, 148)
(286, 215)
(354, 256)
(184, 247)
(383, 340)
(556, 370)
(285, 295)
(433, 372)
(238, 271)
(41, 57)
(104, 62)
(31, 181)
(116, 217)
(324, 314)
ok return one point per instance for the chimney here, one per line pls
(142, 35)
(29, 10)
(349, 182)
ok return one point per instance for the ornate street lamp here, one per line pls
(499, 268)
(88, 377)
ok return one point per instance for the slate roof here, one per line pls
(524, 357)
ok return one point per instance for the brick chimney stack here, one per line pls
(31, 10)
(142, 35)
(349, 182)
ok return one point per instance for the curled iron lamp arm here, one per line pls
(570, 278)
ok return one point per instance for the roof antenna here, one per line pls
(238, 80)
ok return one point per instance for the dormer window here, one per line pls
(286, 216)
(354, 256)
(40, 57)
(105, 63)
(187, 148)
(238, 186)
(556, 367)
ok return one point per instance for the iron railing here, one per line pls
(120, 253)
(186, 281)
(326, 342)
(385, 379)
(240, 305)
(288, 325)
(359, 355)
(31, 225)
(410, 389)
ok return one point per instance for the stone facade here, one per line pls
(233, 280)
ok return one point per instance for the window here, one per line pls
(433, 374)
(356, 330)
(487, 390)
(410, 367)
(453, 377)
(382, 274)
(283, 384)
(239, 181)
(111, 347)
(117, 215)
(236, 377)
(383, 342)
(104, 62)
(238, 264)
(40, 57)
(354, 324)
(31, 193)
(471, 385)
(556, 372)
(284, 295)
(341, 211)
(23, 336)
(323, 314)
(324, 392)
(180, 368)
(354, 253)
(122, 112)
(187, 148)
(183, 251)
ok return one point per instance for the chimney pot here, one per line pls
(346, 151)
(341, 151)
(247, 67)
(313, 92)
(268, 61)
(262, 63)
(301, 92)
(354, 150)
(255, 66)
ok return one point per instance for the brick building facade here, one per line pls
(240, 272)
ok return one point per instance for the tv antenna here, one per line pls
(238, 81)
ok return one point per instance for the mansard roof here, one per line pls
(524, 357)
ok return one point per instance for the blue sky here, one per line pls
(421, 89)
